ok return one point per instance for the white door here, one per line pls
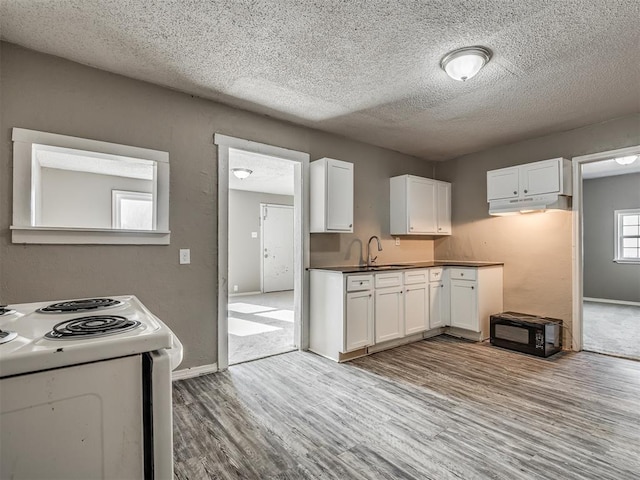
(464, 305)
(503, 183)
(416, 308)
(444, 207)
(339, 196)
(389, 315)
(359, 320)
(540, 177)
(436, 296)
(422, 206)
(276, 226)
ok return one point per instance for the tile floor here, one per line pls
(260, 325)
(611, 329)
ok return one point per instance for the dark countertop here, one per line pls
(406, 266)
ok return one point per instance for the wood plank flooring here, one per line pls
(437, 409)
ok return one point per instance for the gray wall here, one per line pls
(43, 92)
(536, 248)
(603, 278)
(244, 251)
(82, 199)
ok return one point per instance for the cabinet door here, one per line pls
(436, 304)
(421, 203)
(443, 207)
(503, 183)
(416, 308)
(540, 177)
(464, 305)
(359, 321)
(339, 196)
(389, 314)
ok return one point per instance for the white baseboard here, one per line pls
(607, 300)
(240, 294)
(194, 372)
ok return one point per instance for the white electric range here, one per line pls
(85, 390)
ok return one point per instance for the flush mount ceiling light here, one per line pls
(626, 160)
(464, 63)
(241, 173)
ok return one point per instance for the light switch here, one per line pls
(397, 241)
(254, 234)
(185, 256)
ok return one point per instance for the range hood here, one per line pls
(551, 201)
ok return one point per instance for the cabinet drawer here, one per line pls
(416, 276)
(388, 279)
(359, 282)
(435, 274)
(462, 273)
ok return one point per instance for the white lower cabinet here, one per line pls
(389, 314)
(416, 308)
(464, 304)
(475, 294)
(359, 320)
(350, 313)
(437, 305)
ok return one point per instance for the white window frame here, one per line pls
(117, 196)
(619, 236)
(23, 229)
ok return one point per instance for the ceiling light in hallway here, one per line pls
(464, 63)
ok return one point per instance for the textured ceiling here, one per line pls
(368, 70)
(269, 174)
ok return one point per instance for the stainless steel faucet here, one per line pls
(370, 260)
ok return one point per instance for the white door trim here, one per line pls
(577, 234)
(301, 237)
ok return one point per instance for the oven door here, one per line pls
(78, 422)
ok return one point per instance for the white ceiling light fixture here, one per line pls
(241, 173)
(626, 160)
(464, 63)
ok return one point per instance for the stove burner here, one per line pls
(6, 311)
(83, 305)
(91, 327)
(6, 336)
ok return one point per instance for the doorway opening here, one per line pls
(606, 205)
(263, 249)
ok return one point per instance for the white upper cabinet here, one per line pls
(531, 179)
(419, 206)
(331, 192)
(443, 208)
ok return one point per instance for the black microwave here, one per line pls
(526, 333)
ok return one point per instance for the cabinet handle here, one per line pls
(472, 288)
(350, 225)
(360, 283)
(442, 286)
(462, 274)
(439, 228)
(369, 295)
(525, 191)
(515, 192)
(410, 228)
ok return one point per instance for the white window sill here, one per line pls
(88, 236)
(626, 260)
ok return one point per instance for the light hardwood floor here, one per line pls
(437, 409)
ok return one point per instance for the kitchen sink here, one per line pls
(395, 266)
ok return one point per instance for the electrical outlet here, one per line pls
(254, 234)
(185, 256)
(397, 241)
(235, 288)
